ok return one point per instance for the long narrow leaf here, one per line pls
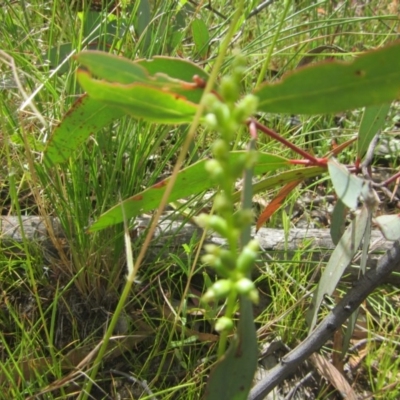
(140, 100)
(372, 78)
(176, 68)
(191, 180)
(348, 187)
(164, 73)
(340, 259)
(276, 203)
(373, 120)
(86, 116)
(283, 178)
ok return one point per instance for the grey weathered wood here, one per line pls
(270, 239)
(172, 234)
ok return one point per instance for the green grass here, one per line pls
(52, 306)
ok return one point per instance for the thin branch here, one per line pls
(311, 159)
(260, 7)
(131, 378)
(369, 156)
(209, 6)
(353, 299)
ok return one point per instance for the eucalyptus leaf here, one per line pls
(372, 122)
(85, 117)
(338, 262)
(349, 188)
(389, 225)
(372, 78)
(191, 180)
(338, 221)
(140, 100)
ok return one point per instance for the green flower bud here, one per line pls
(253, 245)
(202, 220)
(215, 169)
(245, 108)
(229, 129)
(228, 260)
(212, 249)
(223, 114)
(239, 67)
(244, 286)
(222, 288)
(211, 100)
(238, 74)
(239, 166)
(222, 203)
(210, 259)
(246, 260)
(223, 324)
(220, 149)
(221, 268)
(220, 259)
(218, 224)
(244, 161)
(230, 91)
(208, 296)
(243, 218)
(254, 296)
(219, 290)
(211, 121)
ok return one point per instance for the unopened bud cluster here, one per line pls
(234, 270)
(231, 263)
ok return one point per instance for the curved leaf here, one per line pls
(338, 221)
(176, 68)
(112, 68)
(348, 187)
(140, 100)
(340, 259)
(283, 178)
(85, 117)
(276, 203)
(191, 180)
(372, 78)
(372, 121)
(389, 225)
(167, 74)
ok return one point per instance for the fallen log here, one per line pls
(171, 234)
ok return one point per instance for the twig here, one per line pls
(310, 159)
(131, 378)
(260, 7)
(208, 6)
(294, 389)
(353, 299)
(369, 156)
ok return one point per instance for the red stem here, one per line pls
(320, 162)
(276, 136)
(391, 179)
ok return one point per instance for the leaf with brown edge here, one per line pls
(191, 180)
(140, 100)
(373, 78)
(86, 116)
